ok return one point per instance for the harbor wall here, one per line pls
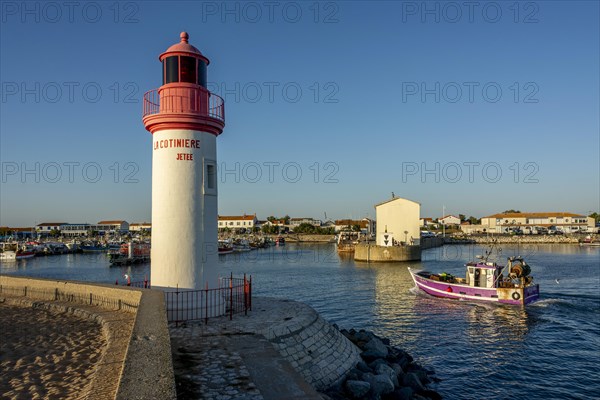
(374, 253)
(315, 348)
(537, 239)
(144, 350)
(430, 242)
(308, 238)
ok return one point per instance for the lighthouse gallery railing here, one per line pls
(198, 101)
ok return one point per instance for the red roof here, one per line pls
(534, 215)
(237, 218)
(110, 222)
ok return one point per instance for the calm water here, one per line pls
(548, 351)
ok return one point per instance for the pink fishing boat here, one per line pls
(485, 281)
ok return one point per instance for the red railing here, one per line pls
(234, 296)
(145, 284)
(184, 100)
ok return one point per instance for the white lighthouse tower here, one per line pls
(185, 120)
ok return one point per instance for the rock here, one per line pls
(357, 389)
(404, 361)
(363, 336)
(384, 369)
(412, 380)
(354, 375)
(404, 393)
(362, 366)
(398, 370)
(373, 365)
(380, 384)
(370, 355)
(431, 394)
(376, 346)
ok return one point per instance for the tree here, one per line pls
(270, 229)
(356, 228)
(474, 221)
(271, 218)
(286, 220)
(595, 215)
(305, 228)
(511, 212)
(462, 217)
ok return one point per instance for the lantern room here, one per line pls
(184, 63)
(183, 101)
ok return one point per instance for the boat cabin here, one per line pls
(483, 275)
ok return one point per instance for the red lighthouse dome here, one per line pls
(183, 102)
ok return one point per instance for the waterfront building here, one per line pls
(366, 225)
(112, 227)
(19, 233)
(101, 228)
(449, 220)
(294, 222)
(46, 227)
(137, 227)
(427, 222)
(531, 222)
(185, 120)
(73, 230)
(398, 222)
(234, 222)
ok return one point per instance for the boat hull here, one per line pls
(511, 296)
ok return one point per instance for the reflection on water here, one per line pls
(479, 350)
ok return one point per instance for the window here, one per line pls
(171, 69)
(210, 176)
(188, 69)
(201, 73)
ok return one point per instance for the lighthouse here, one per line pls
(185, 120)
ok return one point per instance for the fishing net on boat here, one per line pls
(520, 269)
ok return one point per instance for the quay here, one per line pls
(282, 349)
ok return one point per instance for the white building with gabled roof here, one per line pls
(398, 222)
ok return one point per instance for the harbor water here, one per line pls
(549, 350)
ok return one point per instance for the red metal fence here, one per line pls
(175, 101)
(233, 296)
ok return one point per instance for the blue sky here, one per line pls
(330, 106)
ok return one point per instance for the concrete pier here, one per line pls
(374, 253)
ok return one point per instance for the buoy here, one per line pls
(449, 290)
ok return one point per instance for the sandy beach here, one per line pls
(46, 354)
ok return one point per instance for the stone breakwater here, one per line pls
(529, 239)
(315, 349)
(384, 372)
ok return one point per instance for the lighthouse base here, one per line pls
(233, 296)
(187, 305)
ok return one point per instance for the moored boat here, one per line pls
(589, 241)
(225, 247)
(485, 281)
(8, 255)
(241, 246)
(90, 247)
(129, 253)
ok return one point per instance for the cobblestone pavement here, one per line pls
(208, 368)
(236, 359)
